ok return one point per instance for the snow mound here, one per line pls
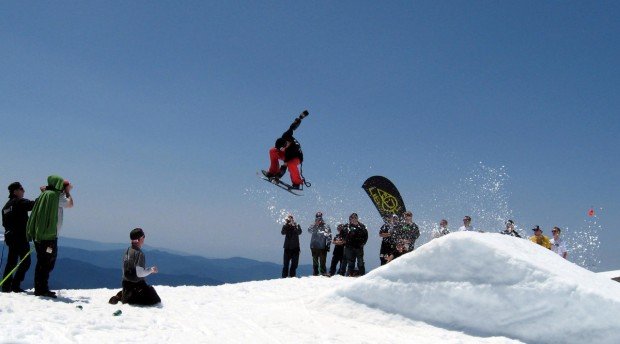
(490, 284)
(610, 274)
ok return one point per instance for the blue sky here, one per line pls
(161, 113)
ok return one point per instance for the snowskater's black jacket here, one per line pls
(294, 150)
(356, 235)
(15, 218)
(291, 239)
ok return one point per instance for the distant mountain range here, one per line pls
(85, 264)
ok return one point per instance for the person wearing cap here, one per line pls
(467, 227)
(539, 238)
(385, 232)
(43, 227)
(14, 220)
(287, 149)
(338, 254)
(557, 244)
(291, 231)
(441, 230)
(135, 290)
(510, 229)
(319, 244)
(356, 237)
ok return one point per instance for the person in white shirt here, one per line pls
(467, 225)
(557, 244)
(441, 230)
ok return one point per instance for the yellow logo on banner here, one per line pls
(384, 200)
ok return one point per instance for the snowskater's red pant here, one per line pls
(293, 169)
(275, 155)
(293, 165)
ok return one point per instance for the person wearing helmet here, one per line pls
(287, 149)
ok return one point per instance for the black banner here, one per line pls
(385, 196)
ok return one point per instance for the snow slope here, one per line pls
(610, 274)
(491, 284)
(462, 288)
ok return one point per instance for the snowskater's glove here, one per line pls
(303, 114)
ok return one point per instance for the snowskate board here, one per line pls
(282, 185)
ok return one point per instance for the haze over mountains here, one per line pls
(85, 264)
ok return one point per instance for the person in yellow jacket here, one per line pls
(539, 238)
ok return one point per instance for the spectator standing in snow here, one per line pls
(467, 225)
(385, 232)
(399, 250)
(43, 227)
(356, 237)
(539, 238)
(557, 244)
(406, 232)
(319, 244)
(338, 254)
(291, 232)
(441, 230)
(135, 290)
(510, 229)
(14, 220)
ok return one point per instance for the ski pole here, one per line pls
(2, 256)
(15, 268)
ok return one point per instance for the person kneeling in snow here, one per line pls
(135, 290)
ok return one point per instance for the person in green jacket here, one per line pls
(43, 226)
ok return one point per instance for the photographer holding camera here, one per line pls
(291, 230)
(43, 226)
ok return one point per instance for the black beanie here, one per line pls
(280, 143)
(12, 187)
(136, 234)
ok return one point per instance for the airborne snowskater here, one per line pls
(287, 149)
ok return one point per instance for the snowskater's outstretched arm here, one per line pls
(289, 133)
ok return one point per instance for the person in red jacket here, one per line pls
(287, 149)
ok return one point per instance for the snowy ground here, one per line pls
(463, 288)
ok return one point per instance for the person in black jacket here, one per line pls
(338, 255)
(356, 237)
(291, 231)
(510, 229)
(406, 232)
(288, 149)
(14, 220)
(385, 232)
